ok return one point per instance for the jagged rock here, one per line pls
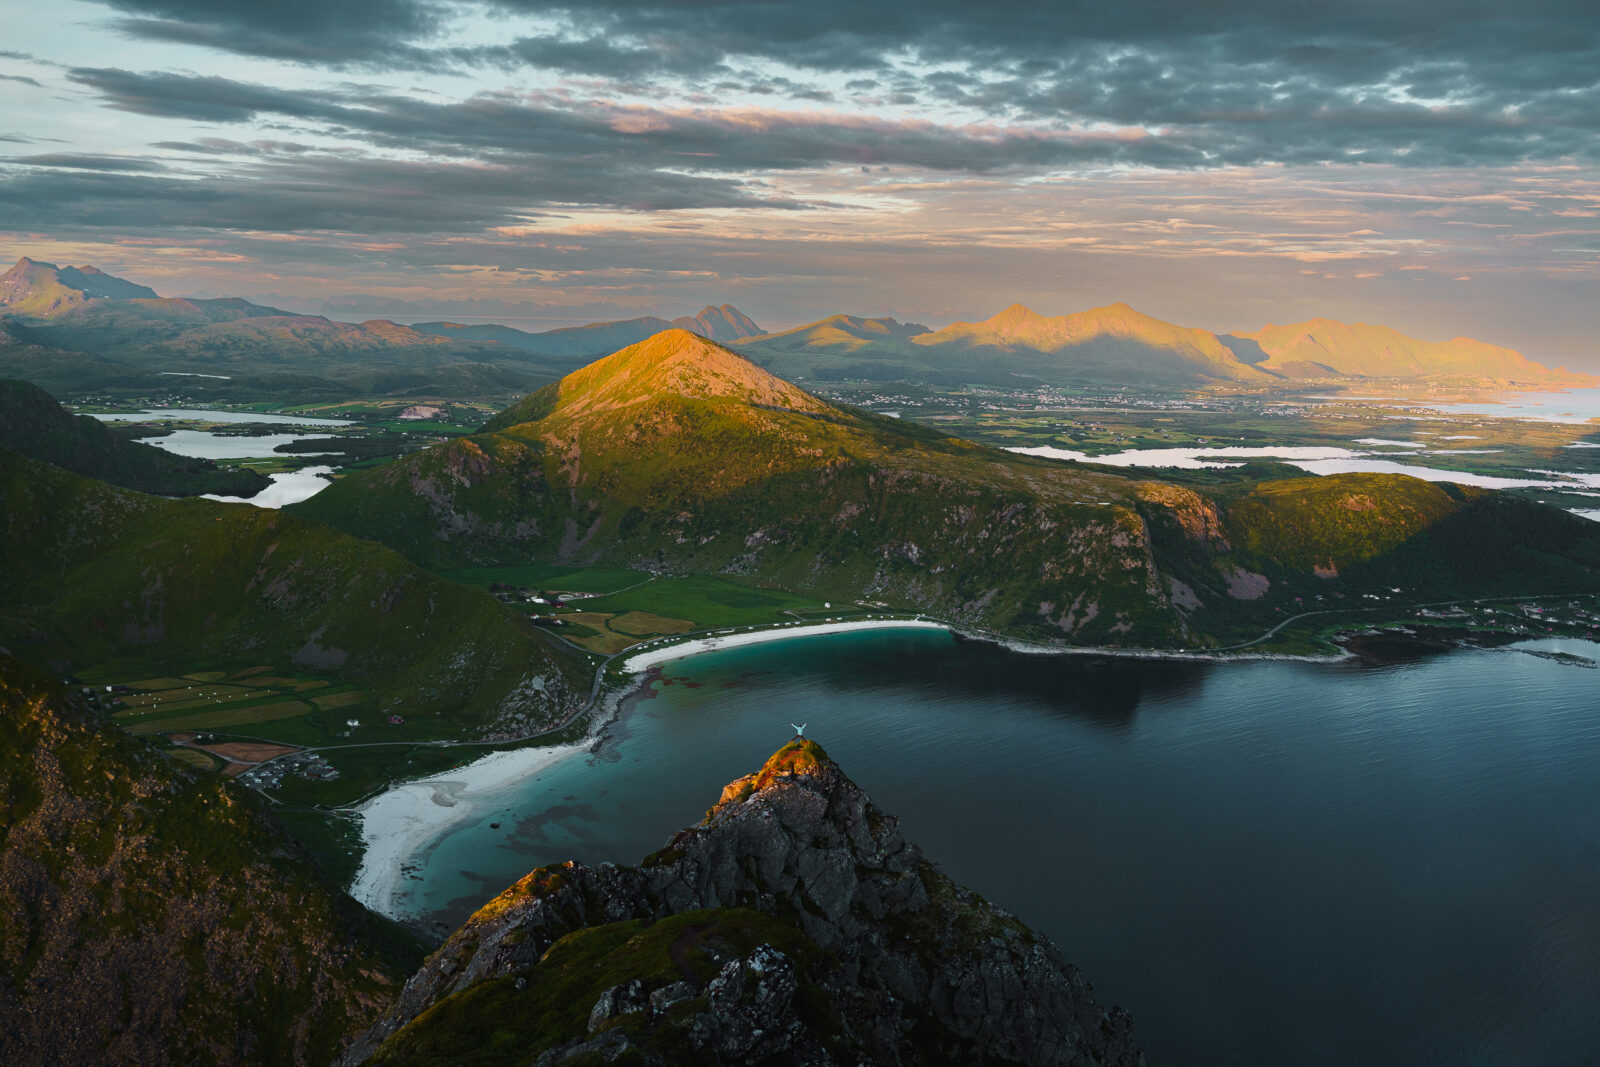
(794, 925)
(622, 999)
(665, 997)
(750, 1016)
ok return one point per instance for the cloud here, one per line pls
(335, 33)
(188, 96)
(76, 161)
(1428, 83)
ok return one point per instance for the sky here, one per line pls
(1432, 165)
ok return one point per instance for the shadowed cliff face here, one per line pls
(794, 924)
(151, 915)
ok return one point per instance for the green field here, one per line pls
(224, 718)
(647, 605)
(552, 578)
(707, 601)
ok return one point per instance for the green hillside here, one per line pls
(151, 915)
(104, 577)
(677, 456)
(33, 424)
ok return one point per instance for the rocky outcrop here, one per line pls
(794, 925)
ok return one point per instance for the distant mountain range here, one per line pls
(1117, 345)
(725, 323)
(78, 327)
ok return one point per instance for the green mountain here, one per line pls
(1323, 348)
(106, 577)
(794, 925)
(33, 424)
(677, 455)
(152, 915)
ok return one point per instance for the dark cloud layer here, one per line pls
(1428, 82)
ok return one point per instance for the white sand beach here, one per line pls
(650, 657)
(400, 823)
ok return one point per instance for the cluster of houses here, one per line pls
(1523, 617)
(306, 764)
(516, 594)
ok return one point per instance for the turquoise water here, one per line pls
(1394, 861)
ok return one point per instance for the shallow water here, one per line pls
(1268, 863)
(203, 444)
(289, 487)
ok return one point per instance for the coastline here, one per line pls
(400, 824)
(640, 661)
(644, 660)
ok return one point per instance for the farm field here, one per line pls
(551, 578)
(291, 707)
(628, 606)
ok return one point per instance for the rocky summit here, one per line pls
(794, 925)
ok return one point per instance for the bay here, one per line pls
(1394, 860)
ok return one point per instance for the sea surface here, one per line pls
(1392, 860)
(1574, 406)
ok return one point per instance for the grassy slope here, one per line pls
(632, 463)
(497, 1021)
(32, 423)
(152, 915)
(98, 575)
(684, 474)
(1341, 536)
